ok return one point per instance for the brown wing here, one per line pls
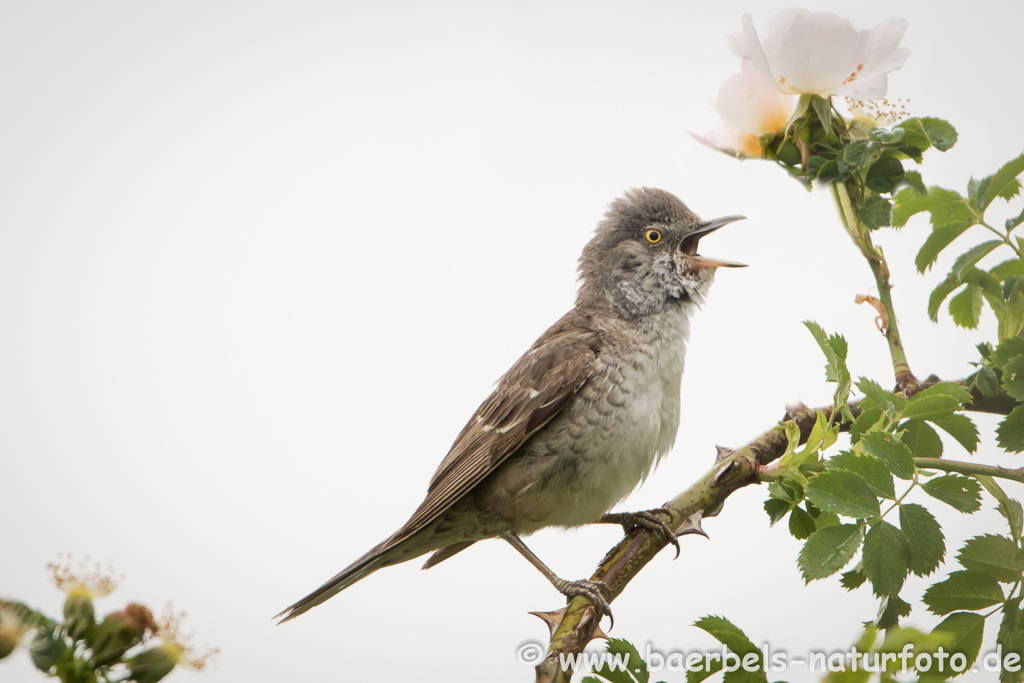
(526, 398)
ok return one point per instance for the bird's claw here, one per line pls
(648, 519)
(595, 591)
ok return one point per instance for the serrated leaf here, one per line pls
(1009, 268)
(921, 439)
(801, 524)
(823, 108)
(880, 396)
(876, 212)
(829, 549)
(960, 492)
(913, 179)
(1012, 223)
(966, 630)
(924, 536)
(987, 381)
(938, 295)
(929, 407)
(706, 670)
(871, 470)
(1013, 512)
(852, 579)
(940, 133)
(1011, 431)
(886, 558)
(966, 590)
(1007, 349)
(893, 607)
(1011, 639)
(1003, 183)
(940, 238)
(965, 307)
(884, 175)
(886, 136)
(1013, 377)
(869, 417)
(895, 454)
(997, 556)
(961, 428)
(635, 668)
(858, 154)
(776, 509)
(728, 634)
(844, 493)
(954, 389)
(970, 258)
(834, 348)
(945, 206)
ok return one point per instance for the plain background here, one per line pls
(260, 261)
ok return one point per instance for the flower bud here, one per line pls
(11, 631)
(47, 649)
(119, 632)
(79, 613)
(150, 666)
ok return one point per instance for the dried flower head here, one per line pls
(94, 580)
(177, 643)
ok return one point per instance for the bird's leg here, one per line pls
(594, 590)
(655, 521)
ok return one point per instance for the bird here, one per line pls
(580, 420)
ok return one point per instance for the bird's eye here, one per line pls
(653, 236)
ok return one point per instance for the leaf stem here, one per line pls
(1004, 237)
(960, 467)
(880, 269)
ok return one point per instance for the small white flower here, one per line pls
(749, 107)
(822, 54)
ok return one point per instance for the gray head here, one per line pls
(644, 255)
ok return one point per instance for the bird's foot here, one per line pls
(597, 592)
(649, 519)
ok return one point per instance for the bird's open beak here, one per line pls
(706, 228)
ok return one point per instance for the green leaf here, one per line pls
(921, 439)
(876, 212)
(1012, 223)
(965, 307)
(913, 178)
(859, 153)
(960, 492)
(869, 416)
(966, 261)
(801, 524)
(938, 295)
(829, 549)
(940, 133)
(635, 668)
(966, 630)
(884, 175)
(852, 579)
(834, 348)
(945, 206)
(987, 381)
(1003, 183)
(886, 558)
(940, 238)
(728, 634)
(886, 136)
(823, 108)
(1007, 349)
(871, 470)
(1013, 377)
(924, 535)
(961, 428)
(880, 396)
(895, 454)
(1009, 268)
(965, 590)
(930, 406)
(997, 556)
(843, 493)
(893, 608)
(776, 509)
(1011, 431)
(954, 389)
(1013, 512)
(1011, 638)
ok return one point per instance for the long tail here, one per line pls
(360, 569)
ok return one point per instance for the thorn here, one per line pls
(721, 452)
(691, 525)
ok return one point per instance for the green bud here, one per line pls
(860, 128)
(79, 614)
(47, 649)
(119, 632)
(151, 665)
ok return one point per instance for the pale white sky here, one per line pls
(259, 262)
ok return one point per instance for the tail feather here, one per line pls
(358, 570)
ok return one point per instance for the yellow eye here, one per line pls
(653, 236)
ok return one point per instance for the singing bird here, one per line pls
(580, 420)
